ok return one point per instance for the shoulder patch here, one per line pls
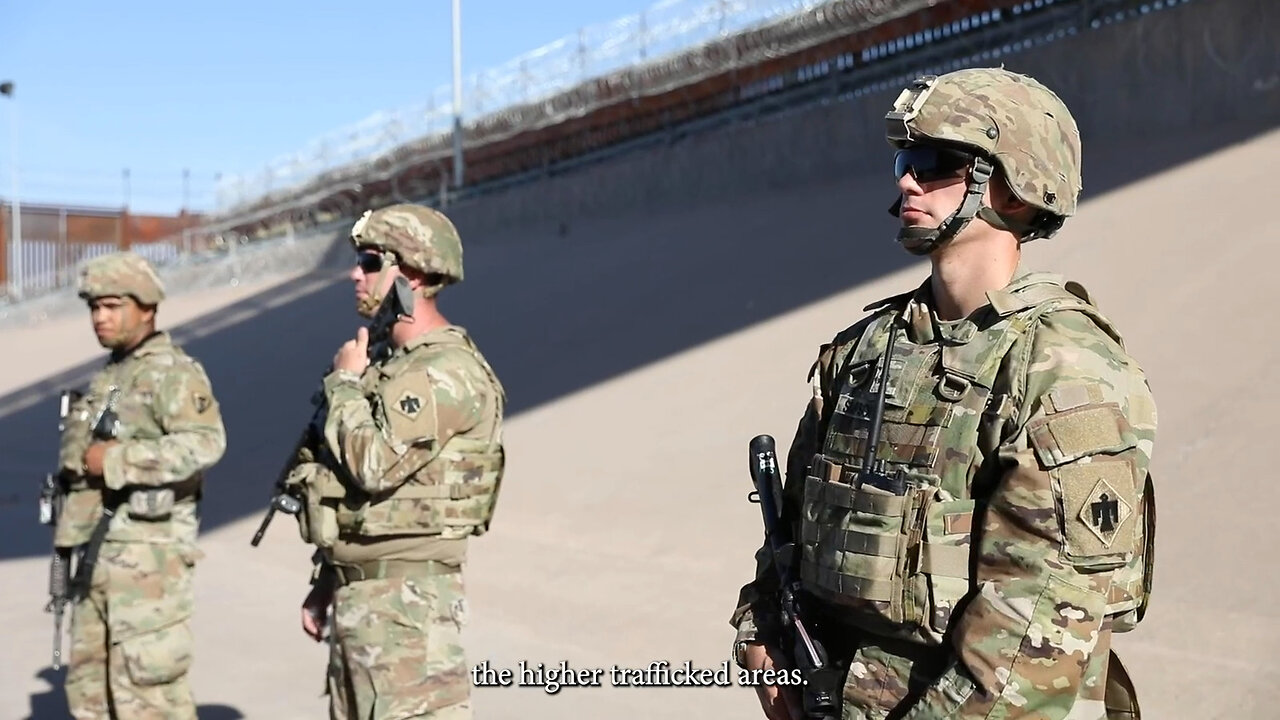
(1099, 503)
(409, 408)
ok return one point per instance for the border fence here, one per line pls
(56, 239)
(680, 67)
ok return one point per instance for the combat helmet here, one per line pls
(1009, 121)
(119, 275)
(414, 236)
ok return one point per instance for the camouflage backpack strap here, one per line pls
(1053, 294)
(1017, 312)
(1040, 295)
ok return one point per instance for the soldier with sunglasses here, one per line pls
(980, 565)
(406, 468)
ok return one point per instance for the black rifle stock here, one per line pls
(397, 304)
(820, 691)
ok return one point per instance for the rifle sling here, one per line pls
(112, 501)
(89, 557)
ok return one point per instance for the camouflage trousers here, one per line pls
(396, 650)
(886, 677)
(131, 640)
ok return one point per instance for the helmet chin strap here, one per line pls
(368, 306)
(922, 241)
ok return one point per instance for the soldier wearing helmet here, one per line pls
(134, 450)
(406, 236)
(972, 553)
(403, 468)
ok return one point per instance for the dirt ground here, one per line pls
(623, 532)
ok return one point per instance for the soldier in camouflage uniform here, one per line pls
(134, 484)
(981, 569)
(405, 467)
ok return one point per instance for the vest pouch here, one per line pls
(943, 557)
(473, 481)
(321, 491)
(459, 502)
(853, 549)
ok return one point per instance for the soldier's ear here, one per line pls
(1005, 202)
(146, 313)
(413, 276)
(418, 280)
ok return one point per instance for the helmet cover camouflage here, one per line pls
(1012, 119)
(119, 275)
(423, 238)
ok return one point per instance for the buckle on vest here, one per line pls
(999, 406)
(953, 387)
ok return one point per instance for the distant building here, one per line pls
(56, 238)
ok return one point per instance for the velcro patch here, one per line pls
(1099, 503)
(1063, 437)
(1069, 396)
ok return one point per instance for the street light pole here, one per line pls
(457, 94)
(15, 206)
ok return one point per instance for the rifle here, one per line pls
(53, 496)
(820, 700)
(106, 427)
(822, 677)
(397, 303)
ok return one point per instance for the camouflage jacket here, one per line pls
(170, 432)
(1029, 635)
(391, 425)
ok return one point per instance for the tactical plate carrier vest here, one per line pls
(898, 559)
(452, 496)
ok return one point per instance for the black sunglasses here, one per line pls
(370, 261)
(928, 164)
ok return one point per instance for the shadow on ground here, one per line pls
(555, 314)
(52, 703)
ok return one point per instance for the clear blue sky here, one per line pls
(228, 86)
